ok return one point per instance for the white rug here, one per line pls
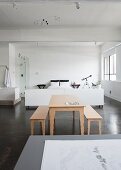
(82, 155)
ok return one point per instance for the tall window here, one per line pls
(110, 67)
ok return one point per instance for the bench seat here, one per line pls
(92, 115)
(39, 115)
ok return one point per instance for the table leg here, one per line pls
(32, 127)
(82, 120)
(73, 128)
(100, 127)
(73, 115)
(52, 117)
(43, 127)
(89, 127)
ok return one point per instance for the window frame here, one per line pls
(109, 68)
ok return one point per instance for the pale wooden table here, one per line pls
(59, 103)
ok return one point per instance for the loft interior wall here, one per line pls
(7, 57)
(113, 88)
(61, 62)
(75, 34)
(12, 64)
(4, 60)
(4, 54)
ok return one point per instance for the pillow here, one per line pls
(54, 87)
(54, 84)
(64, 84)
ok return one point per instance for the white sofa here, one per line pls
(9, 96)
(36, 97)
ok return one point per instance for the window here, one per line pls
(110, 67)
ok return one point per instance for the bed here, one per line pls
(36, 97)
(33, 153)
(86, 94)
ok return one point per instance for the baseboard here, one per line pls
(114, 98)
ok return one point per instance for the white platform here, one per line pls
(36, 97)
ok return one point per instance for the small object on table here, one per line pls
(71, 103)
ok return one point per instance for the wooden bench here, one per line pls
(92, 115)
(39, 115)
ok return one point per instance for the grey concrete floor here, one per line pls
(15, 127)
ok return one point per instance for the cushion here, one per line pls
(54, 84)
(64, 84)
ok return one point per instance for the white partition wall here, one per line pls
(36, 97)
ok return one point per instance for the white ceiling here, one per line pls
(30, 15)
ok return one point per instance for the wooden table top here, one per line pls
(65, 101)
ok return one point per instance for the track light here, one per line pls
(77, 5)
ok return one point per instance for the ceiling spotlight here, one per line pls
(14, 5)
(77, 5)
(41, 23)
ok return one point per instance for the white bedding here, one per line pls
(82, 155)
(60, 87)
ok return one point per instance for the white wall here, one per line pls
(12, 64)
(22, 72)
(7, 57)
(4, 60)
(61, 62)
(4, 54)
(118, 63)
(113, 88)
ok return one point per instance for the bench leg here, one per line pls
(52, 117)
(43, 127)
(100, 127)
(88, 127)
(32, 127)
(81, 110)
(73, 115)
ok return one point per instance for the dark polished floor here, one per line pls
(15, 128)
